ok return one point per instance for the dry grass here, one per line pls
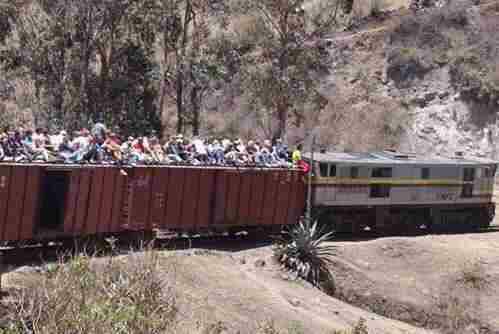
(457, 308)
(81, 296)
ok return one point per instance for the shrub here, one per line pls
(302, 251)
(405, 65)
(77, 297)
(359, 328)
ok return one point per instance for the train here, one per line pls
(397, 192)
(383, 192)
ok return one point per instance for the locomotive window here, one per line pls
(425, 173)
(332, 170)
(382, 172)
(469, 174)
(323, 167)
(487, 172)
(354, 172)
(380, 191)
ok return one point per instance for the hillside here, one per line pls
(424, 81)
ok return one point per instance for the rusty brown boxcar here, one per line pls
(55, 201)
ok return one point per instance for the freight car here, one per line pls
(396, 192)
(47, 202)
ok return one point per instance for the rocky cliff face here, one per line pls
(444, 122)
(438, 70)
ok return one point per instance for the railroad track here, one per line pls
(38, 255)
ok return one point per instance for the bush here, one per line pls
(406, 65)
(303, 253)
(117, 297)
(359, 328)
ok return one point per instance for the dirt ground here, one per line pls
(245, 289)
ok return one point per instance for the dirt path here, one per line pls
(243, 295)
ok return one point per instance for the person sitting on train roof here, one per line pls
(102, 146)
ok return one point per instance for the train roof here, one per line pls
(396, 158)
(60, 166)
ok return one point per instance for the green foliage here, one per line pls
(302, 251)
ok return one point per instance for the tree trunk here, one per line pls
(282, 120)
(180, 104)
(181, 66)
(196, 110)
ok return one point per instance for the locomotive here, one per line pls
(393, 192)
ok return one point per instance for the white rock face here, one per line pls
(443, 123)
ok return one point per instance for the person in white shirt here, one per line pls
(201, 152)
(56, 140)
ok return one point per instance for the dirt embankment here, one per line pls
(434, 281)
(245, 289)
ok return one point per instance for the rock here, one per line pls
(430, 97)
(428, 130)
(444, 95)
(27, 270)
(242, 261)
(260, 263)
(295, 302)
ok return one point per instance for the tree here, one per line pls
(190, 65)
(284, 72)
(89, 60)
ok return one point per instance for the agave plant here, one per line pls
(302, 251)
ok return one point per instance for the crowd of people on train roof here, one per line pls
(102, 146)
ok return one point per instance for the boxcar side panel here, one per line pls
(5, 180)
(95, 201)
(139, 206)
(257, 198)
(16, 201)
(190, 198)
(158, 197)
(232, 199)
(104, 221)
(31, 203)
(282, 197)
(175, 195)
(82, 201)
(206, 197)
(221, 193)
(119, 193)
(245, 198)
(72, 201)
(269, 203)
